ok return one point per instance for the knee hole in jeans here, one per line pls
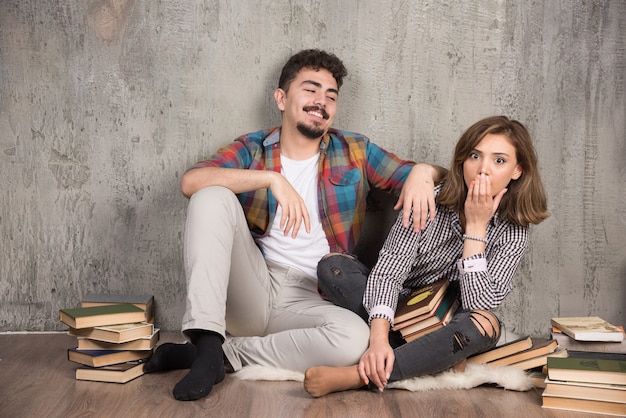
(486, 322)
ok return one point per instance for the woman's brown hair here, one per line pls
(525, 201)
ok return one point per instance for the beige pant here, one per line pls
(272, 313)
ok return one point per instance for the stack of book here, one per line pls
(426, 309)
(587, 381)
(115, 335)
(525, 353)
(588, 334)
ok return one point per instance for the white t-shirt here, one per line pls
(306, 250)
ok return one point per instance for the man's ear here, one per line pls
(517, 172)
(279, 96)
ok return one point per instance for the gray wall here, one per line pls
(105, 103)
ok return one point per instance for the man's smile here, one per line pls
(316, 111)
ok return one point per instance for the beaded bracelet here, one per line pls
(473, 238)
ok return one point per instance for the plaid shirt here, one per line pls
(410, 260)
(349, 165)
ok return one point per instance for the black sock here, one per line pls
(171, 356)
(207, 368)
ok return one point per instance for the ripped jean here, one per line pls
(342, 280)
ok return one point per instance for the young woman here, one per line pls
(491, 194)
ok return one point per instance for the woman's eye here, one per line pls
(473, 156)
(500, 160)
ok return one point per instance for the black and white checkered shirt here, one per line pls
(409, 260)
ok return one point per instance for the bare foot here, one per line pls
(320, 381)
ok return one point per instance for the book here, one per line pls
(420, 301)
(444, 321)
(589, 369)
(145, 302)
(598, 355)
(592, 391)
(503, 350)
(588, 328)
(540, 360)
(569, 343)
(115, 333)
(101, 315)
(432, 318)
(418, 318)
(584, 405)
(539, 347)
(144, 343)
(99, 358)
(119, 373)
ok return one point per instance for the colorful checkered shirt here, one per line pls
(349, 165)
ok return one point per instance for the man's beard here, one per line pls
(311, 132)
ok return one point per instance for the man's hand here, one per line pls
(294, 211)
(418, 195)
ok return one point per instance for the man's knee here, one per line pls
(212, 195)
(351, 344)
(214, 203)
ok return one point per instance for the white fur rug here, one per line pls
(474, 375)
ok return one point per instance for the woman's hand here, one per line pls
(480, 205)
(377, 362)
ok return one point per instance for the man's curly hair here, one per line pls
(314, 59)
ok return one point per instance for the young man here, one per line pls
(262, 213)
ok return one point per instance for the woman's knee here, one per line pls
(337, 266)
(486, 322)
(341, 280)
(332, 265)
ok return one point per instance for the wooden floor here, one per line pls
(37, 380)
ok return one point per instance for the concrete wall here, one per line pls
(105, 103)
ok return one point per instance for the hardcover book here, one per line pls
(102, 315)
(145, 302)
(119, 373)
(115, 333)
(144, 343)
(539, 347)
(592, 391)
(569, 343)
(418, 318)
(420, 301)
(584, 405)
(99, 358)
(590, 369)
(588, 328)
(443, 322)
(507, 349)
(432, 318)
(539, 361)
